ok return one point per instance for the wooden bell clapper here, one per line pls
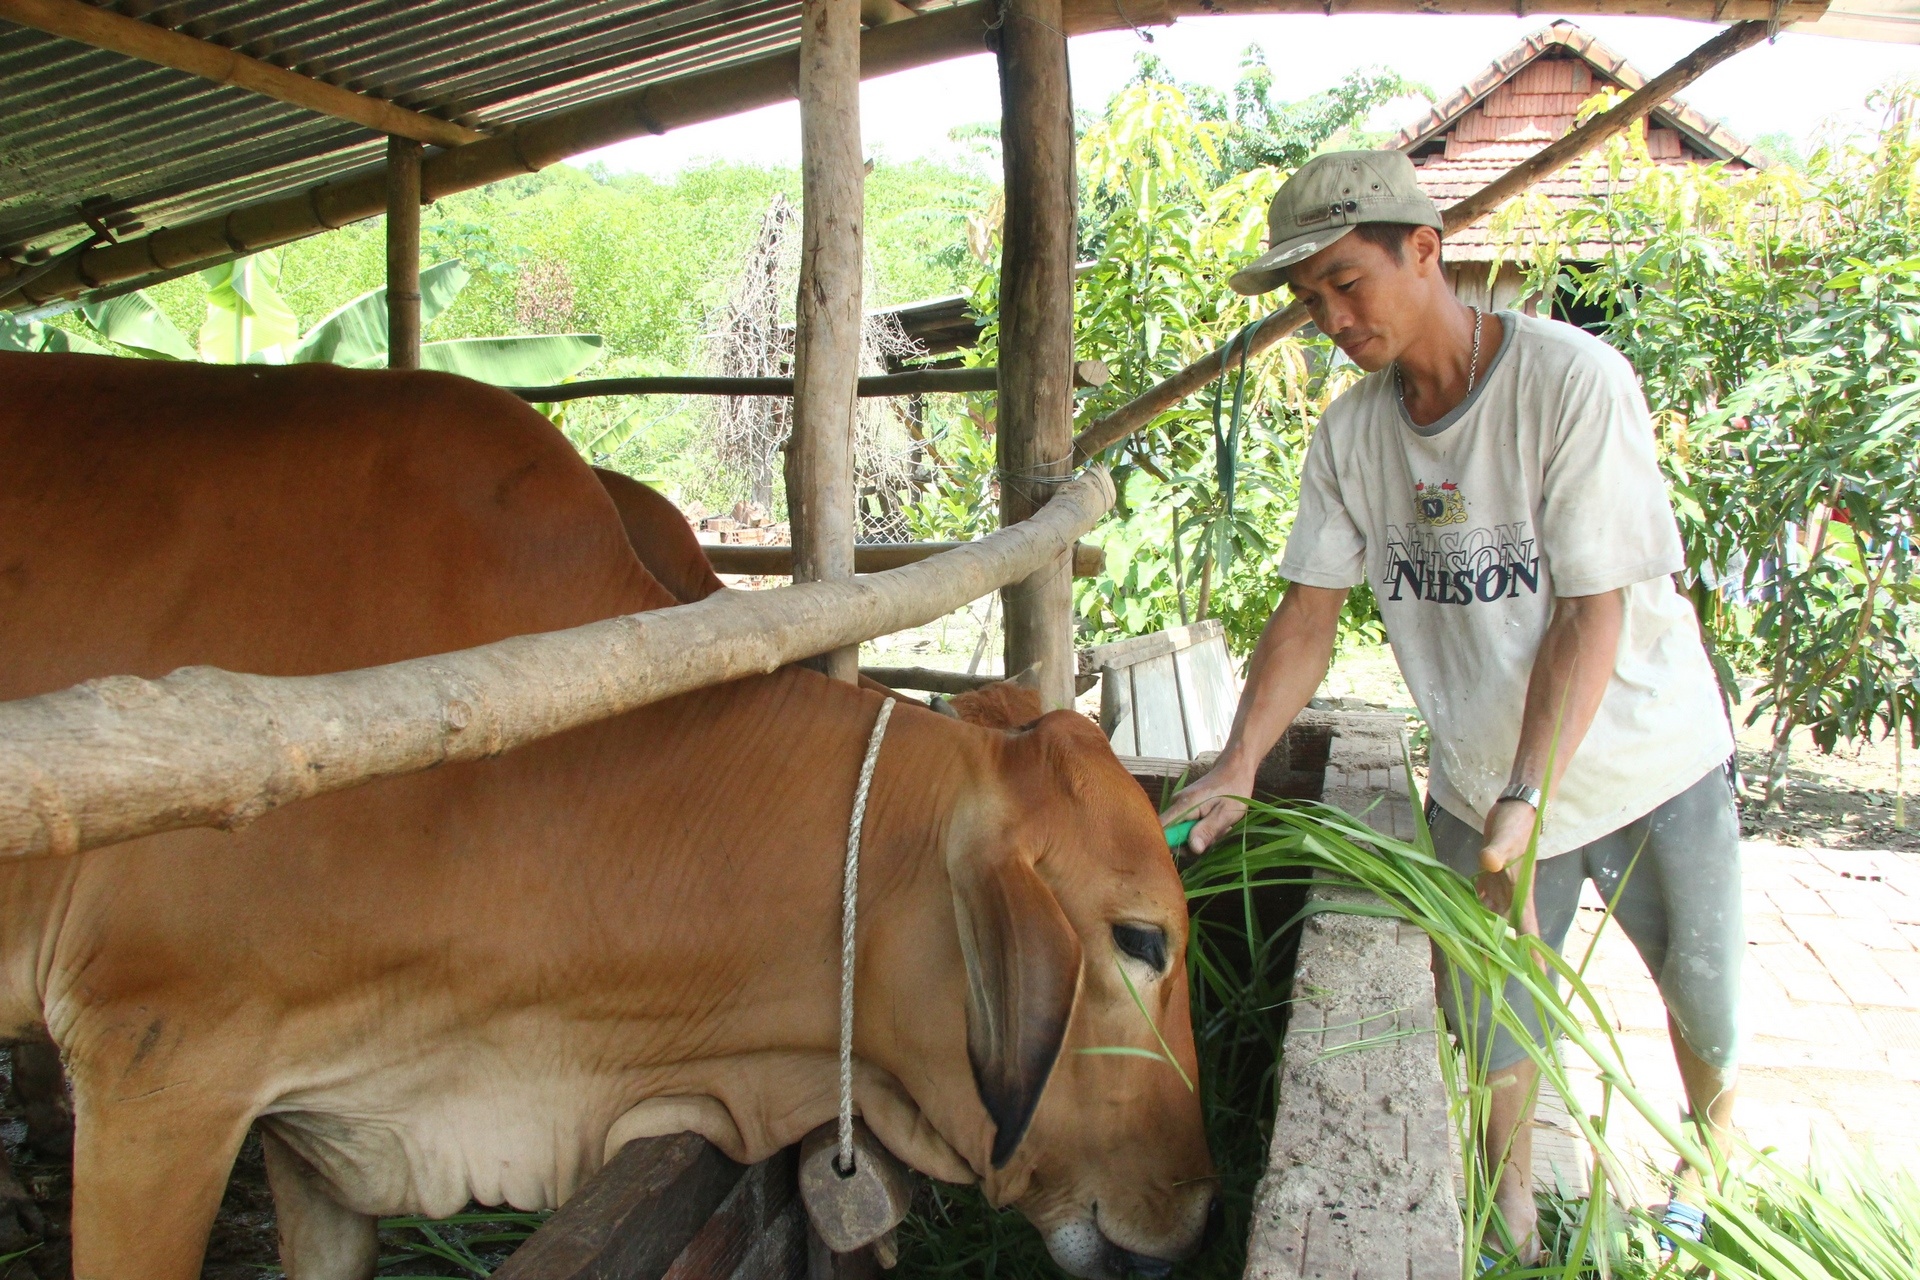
(855, 1190)
(857, 1208)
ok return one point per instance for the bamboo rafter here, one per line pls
(105, 29)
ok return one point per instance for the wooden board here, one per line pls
(759, 1232)
(1170, 694)
(1124, 653)
(1209, 693)
(1116, 711)
(1159, 720)
(632, 1219)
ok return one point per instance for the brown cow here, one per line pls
(478, 981)
(661, 537)
(664, 541)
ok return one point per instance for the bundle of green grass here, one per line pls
(1843, 1218)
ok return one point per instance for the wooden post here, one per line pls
(827, 318)
(403, 253)
(1035, 430)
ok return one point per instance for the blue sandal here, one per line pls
(1681, 1222)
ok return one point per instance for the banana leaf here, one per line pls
(355, 334)
(527, 361)
(247, 320)
(31, 335)
(134, 322)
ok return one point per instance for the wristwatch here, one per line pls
(1522, 792)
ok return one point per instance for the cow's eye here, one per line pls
(1144, 943)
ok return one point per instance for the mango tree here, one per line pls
(1774, 318)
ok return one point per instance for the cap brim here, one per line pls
(1269, 271)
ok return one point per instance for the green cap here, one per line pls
(1329, 196)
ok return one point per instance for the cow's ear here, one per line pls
(1023, 973)
(1001, 705)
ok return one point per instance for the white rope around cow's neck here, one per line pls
(849, 899)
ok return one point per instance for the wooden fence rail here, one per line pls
(770, 560)
(121, 757)
(913, 382)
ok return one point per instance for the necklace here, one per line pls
(1473, 362)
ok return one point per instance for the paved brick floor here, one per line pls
(1832, 1011)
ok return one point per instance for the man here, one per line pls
(1493, 479)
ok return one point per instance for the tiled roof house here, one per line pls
(1527, 98)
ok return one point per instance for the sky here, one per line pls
(1794, 86)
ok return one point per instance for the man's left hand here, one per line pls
(1509, 830)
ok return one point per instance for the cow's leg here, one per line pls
(151, 1160)
(320, 1238)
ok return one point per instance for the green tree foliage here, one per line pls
(1264, 134)
(644, 260)
(641, 262)
(1774, 318)
(1207, 490)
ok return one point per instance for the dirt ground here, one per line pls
(1838, 801)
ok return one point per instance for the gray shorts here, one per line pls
(1681, 908)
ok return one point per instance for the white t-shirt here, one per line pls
(1541, 483)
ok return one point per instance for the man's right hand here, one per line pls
(1214, 802)
(1286, 667)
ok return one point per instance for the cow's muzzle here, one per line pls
(1082, 1249)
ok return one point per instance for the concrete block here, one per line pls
(1359, 1181)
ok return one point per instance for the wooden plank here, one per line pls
(932, 680)
(1160, 776)
(1180, 700)
(403, 253)
(1156, 709)
(772, 560)
(1209, 694)
(928, 680)
(105, 29)
(828, 320)
(1116, 710)
(1123, 653)
(1138, 412)
(759, 1232)
(911, 383)
(1217, 683)
(120, 757)
(632, 1219)
(1034, 436)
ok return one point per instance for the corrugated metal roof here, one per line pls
(84, 130)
